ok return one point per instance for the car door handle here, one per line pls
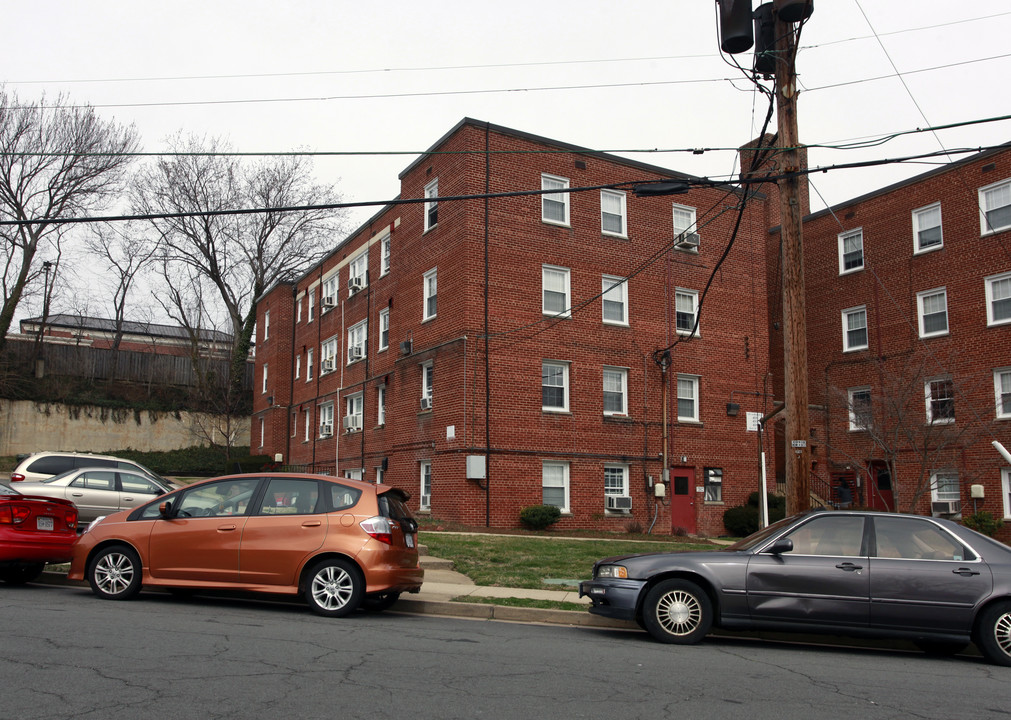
(226, 528)
(965, 572)
(849, 567)
(311, 523)
(77, 494)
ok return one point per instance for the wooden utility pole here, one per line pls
(798, 427)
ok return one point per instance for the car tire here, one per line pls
(114, 573)
(380, 601)
(993, 633)
(334, 588)
(22, 573)
(678, 612)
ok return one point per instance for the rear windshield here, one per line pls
(51, 465)
(392, 505)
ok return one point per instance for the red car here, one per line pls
(33, 531)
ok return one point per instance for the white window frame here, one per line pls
(922, 299)
(354, 406)
(308, 364)
(329, 288)
(1004, 279)
(564, 376)
(684, 221)
(621, 214)
(430, 301)
(427, 380)
(311, 303)
(1005, 485)
(384, 328)
(691, 296)
(1002, 188)
(358, 338)
(858, 233)
(431, 206)
(359, 268)
(263, 431)
(620, 376)
(929, 400)
(386, 252)
(307, 416)
(712, 489)
(381, 405)
(612, 472)
(920, 217)
(554, 182)
(298, 366)
(846, 314)
(263, 391)
(326, 415)
(614, 290)
(555, 468)
(328, 351)
(565, 273)
(855, 418)
(1002, 388)
(691, 381)
(935, 489)
(425, 478)
(298, 308)
(266, 325)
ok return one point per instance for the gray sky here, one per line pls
(396, 75)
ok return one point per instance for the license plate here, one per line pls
(409, 539)
(44, 523)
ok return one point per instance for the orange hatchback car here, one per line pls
(342, 544)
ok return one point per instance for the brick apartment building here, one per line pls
(490, 353)
(493, 353)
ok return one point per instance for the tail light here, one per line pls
(379, 527)
(17, 477)
(71, 518)
(14, 514)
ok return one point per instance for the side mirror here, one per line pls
(165, 509)
(780, 546)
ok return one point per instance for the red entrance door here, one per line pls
(879, 486)
(682, 500)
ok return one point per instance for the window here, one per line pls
(713, 483)
(615, 391)
(308, 364)
(614, 299)
(684, 227)
(688, 398)
(266, 325)
(298, 366)
(354, 406)
(829, 535)
(555, 290)
(940, 396)
(329, 292)
(381, 405)
(426, 485)
(555, 205)
(616, 483)
(294, 424)
(384, 328)
(385, 245)
(612, 212)
(357, 337)
(311, 302)
(914, 539)
(263, 431)
(431, 294)
(554, 387)
(264, 389)
(927, 228)
(358, 273)
(686, 303)
(860, 408)
(1002, 389)
(995, 207)
(932, 307)
(432, 205)
(555, 485)
(998, 299)
(326, 419)
(944, 486)
(290, 496)
(427, 373)
(307, 416)
(854, 323)
(354, 473)
(851, 251)
(328, 356)
(298, 310)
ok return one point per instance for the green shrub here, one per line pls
(983, 522)
(743, 519)
(538, 517)
(187, 462)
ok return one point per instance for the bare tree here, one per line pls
(57, 161)
(235, 256)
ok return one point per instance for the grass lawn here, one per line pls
(526, 562)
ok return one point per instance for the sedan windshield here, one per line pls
(756, 539)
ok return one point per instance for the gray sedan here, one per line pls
(97, 491)
(930, 580)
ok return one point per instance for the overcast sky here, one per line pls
(333, 75)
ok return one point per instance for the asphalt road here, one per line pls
(66, 654)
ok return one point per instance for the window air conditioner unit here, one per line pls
(405, 347)
(688, 241)
(327, 301)
(325, 430)
(618, 502)
(355, 284)
(426, 403)
(944, 507)
(351, 423)
(327, 365)
(426, 501)
(354, 353)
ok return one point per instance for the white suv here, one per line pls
(41, 465)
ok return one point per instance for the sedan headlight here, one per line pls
(612, 571)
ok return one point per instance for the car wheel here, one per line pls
(940, 648)
(677, 611)
(114, 573)
(335, 588)
(993, 633)
(380, 601)
(22, 573)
